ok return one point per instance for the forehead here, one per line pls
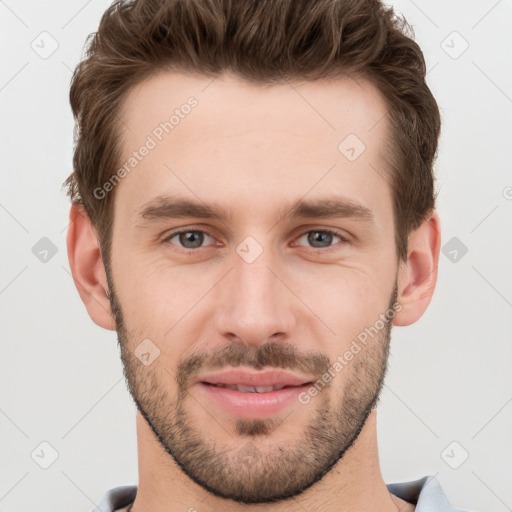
(250, 145)
(336, 105)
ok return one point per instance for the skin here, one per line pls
(254, 150)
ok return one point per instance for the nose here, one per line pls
(255, 305)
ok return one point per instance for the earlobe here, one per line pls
(87, 268)
(418, 275)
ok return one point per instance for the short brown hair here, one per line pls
(262, 41)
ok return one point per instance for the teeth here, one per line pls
(264, 389)
(250, 389)
(246, 389)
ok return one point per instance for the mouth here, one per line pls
(249, 394)
(246, 380)
(252, 389)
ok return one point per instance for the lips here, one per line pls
(249, 389)
(254, 382)
(246, 394)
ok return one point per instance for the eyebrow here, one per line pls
(165, 207)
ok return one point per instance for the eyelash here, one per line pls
(344, 239)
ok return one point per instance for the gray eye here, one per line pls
(190, 239)
(320, 238)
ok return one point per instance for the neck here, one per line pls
(354, 484)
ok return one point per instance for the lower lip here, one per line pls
(252, 405)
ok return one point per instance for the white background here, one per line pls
(450, 377)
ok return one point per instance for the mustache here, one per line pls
(271, 354)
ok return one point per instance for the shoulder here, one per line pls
(426, 493)
(116, 498)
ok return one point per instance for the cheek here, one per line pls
(347, 298)
(166, 303)
(144, 279)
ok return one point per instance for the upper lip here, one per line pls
(239, 377)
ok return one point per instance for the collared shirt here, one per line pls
(426, 493)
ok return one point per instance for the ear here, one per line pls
(87, 268)
(417, 276)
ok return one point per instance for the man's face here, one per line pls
(266, 286)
